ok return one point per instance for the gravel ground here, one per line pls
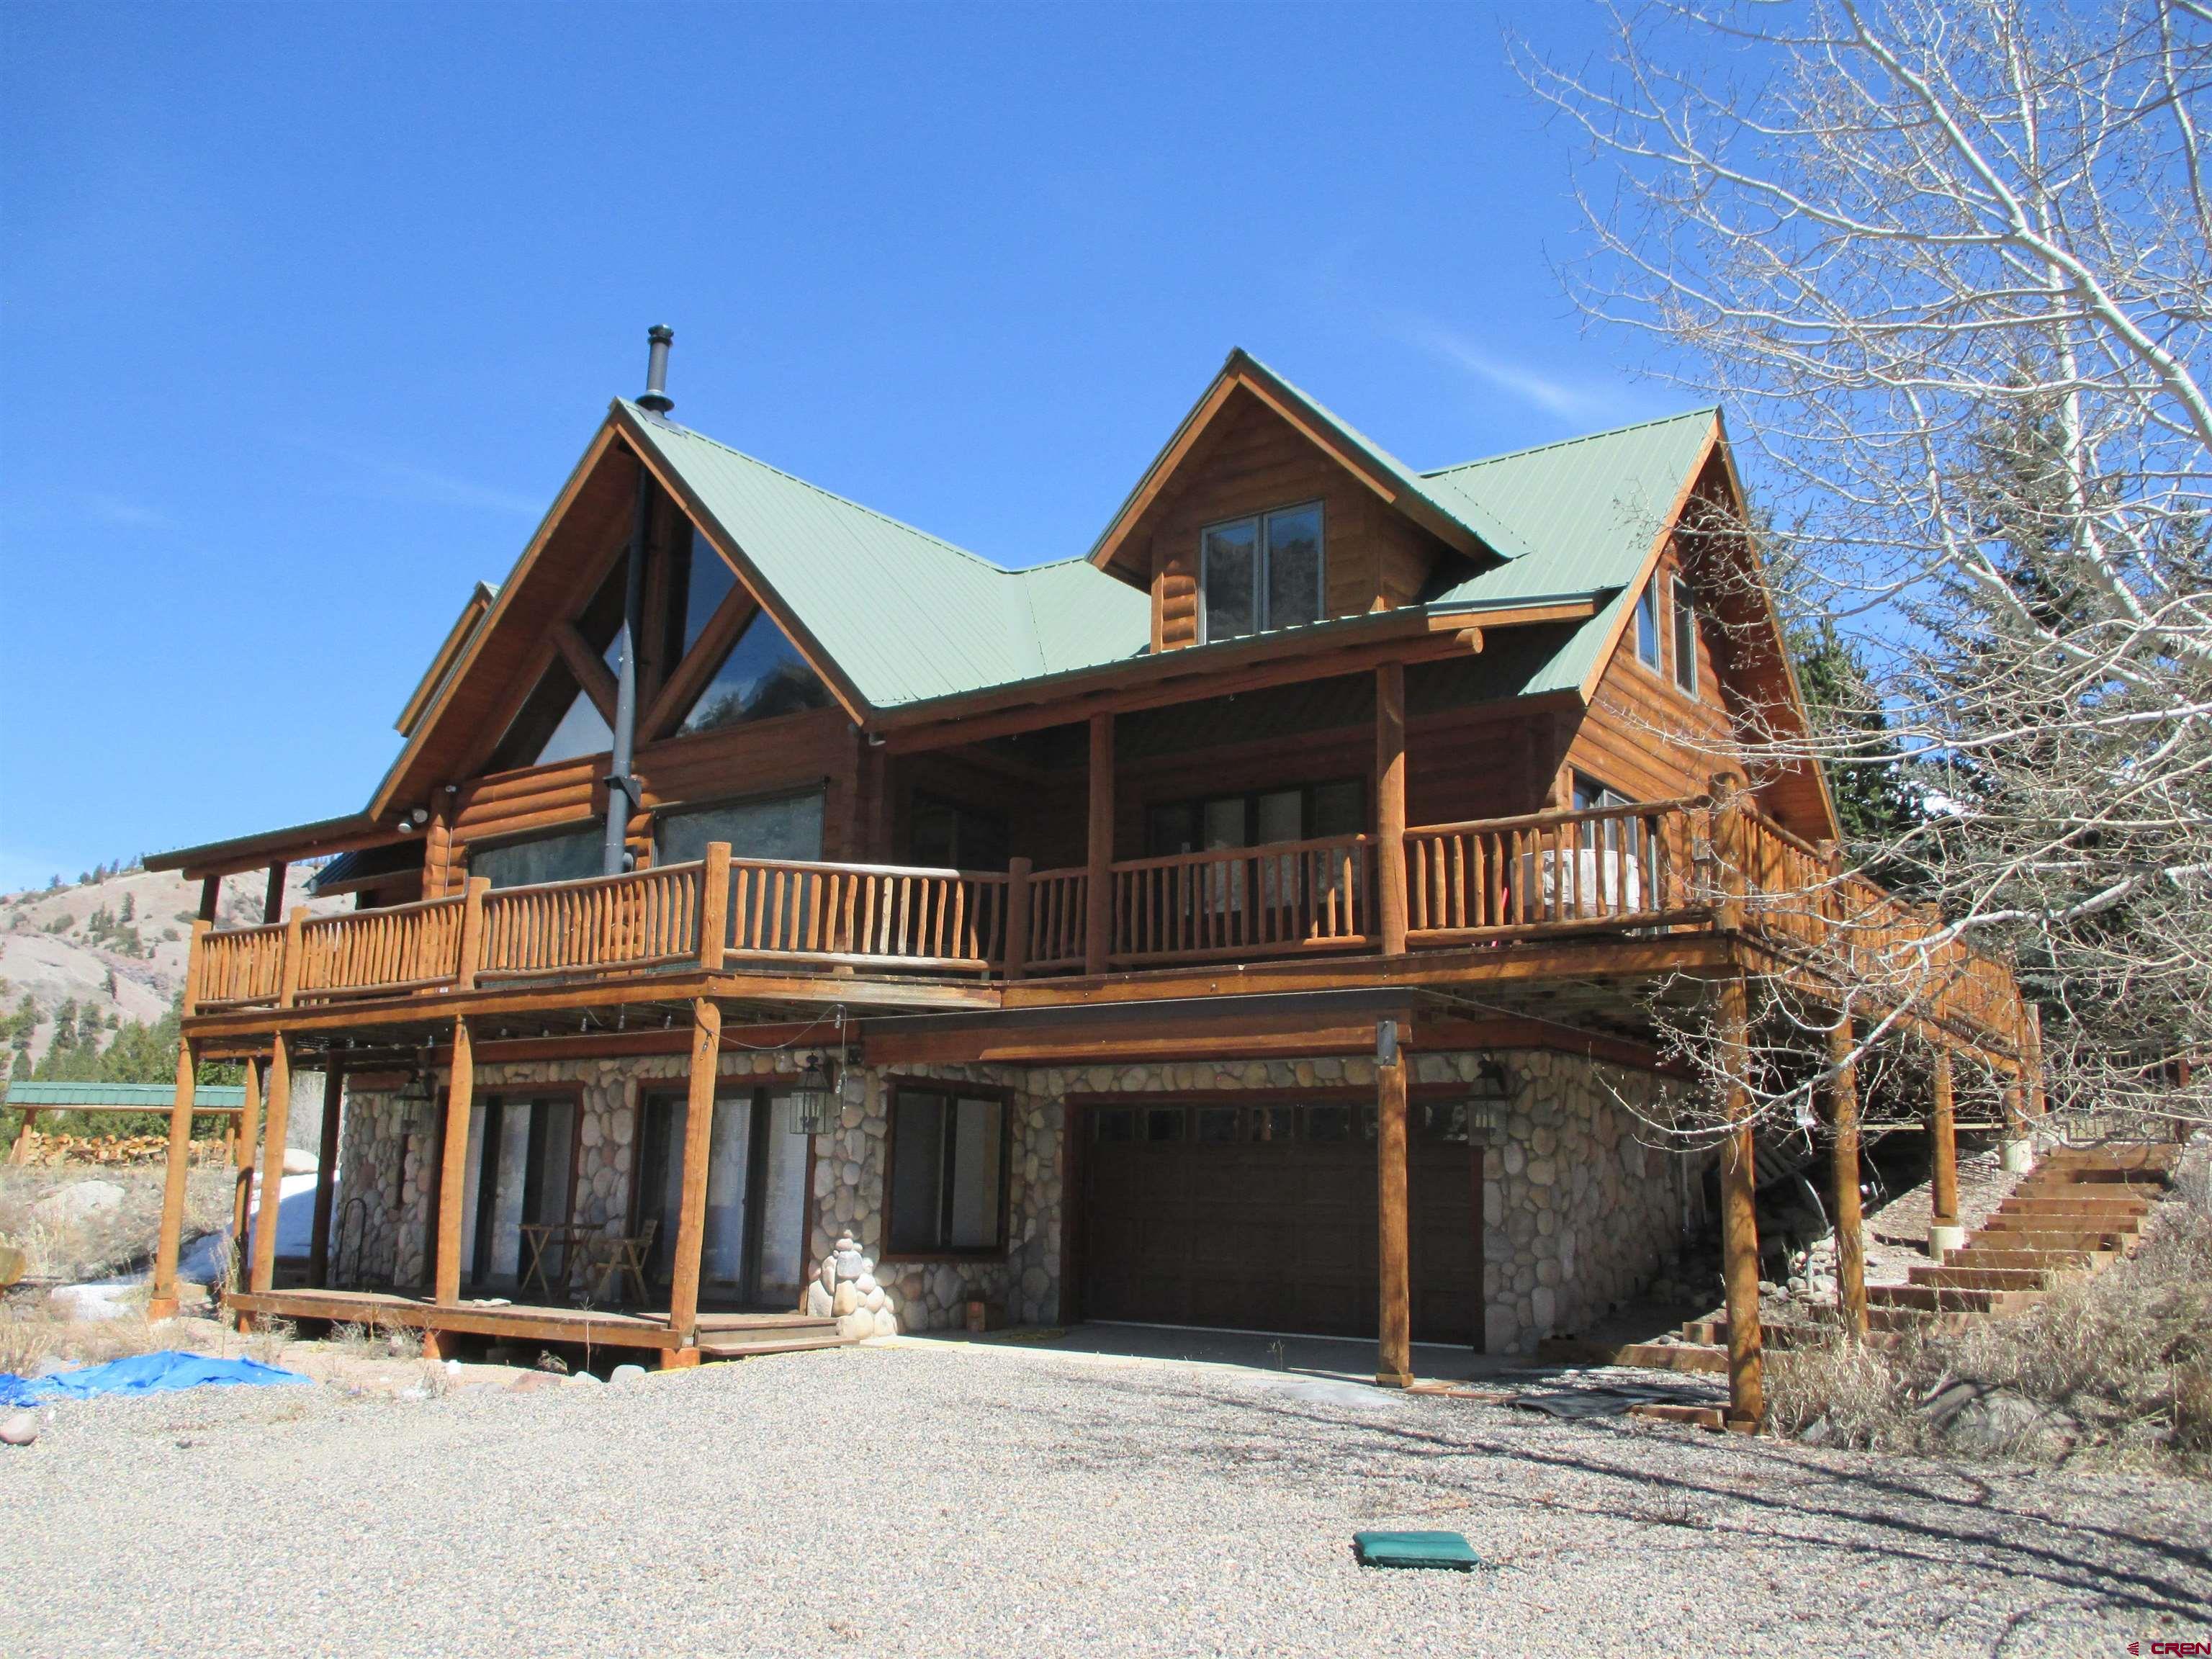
(925, 1499)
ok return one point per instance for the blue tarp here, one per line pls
(145, 1373)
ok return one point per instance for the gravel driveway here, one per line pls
(933, 1500)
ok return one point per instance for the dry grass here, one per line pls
(109, 1242)
(376, 1342)
(2121, 1361)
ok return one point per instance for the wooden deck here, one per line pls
(720, 1335)
(1667, 876)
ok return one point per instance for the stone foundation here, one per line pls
(1579, 1215)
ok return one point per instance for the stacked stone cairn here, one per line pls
(846, 1290)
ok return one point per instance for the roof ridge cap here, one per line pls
(1579, 438)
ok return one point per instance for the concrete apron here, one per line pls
(1331, 1362)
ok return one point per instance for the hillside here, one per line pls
(117, 946)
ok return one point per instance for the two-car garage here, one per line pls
(1259, 1215)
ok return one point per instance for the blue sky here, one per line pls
(306, 312)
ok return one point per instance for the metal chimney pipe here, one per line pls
(656, 398)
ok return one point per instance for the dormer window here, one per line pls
(1260, 574)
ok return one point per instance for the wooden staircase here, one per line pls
(2078, 1212)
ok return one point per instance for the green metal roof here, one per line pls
(905, 616)
(136, 1096)
(1590, 508)
(910, 617)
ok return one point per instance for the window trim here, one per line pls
(897, 1083)
(1684, 617)
(1261, 555)
(1656, 662)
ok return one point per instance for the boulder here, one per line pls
(18, 1429)
(300, 1161)
(77, 1202)
(856, 1325)
(627, 1374)
(819, 1304)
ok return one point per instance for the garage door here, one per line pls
(1263, 1218)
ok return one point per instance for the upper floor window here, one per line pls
(568, 855)
(1261, 573)
(1686, 638)
(1647, 625)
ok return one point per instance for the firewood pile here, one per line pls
(40, 1149)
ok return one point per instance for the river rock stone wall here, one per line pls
(1579, 1214)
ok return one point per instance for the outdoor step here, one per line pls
(1938, 1298)
(1713, 1334)
(1974, 1277)
(2060, 1239)
(2048, 1221)
(736, 1347)
(2057, 1262)
(2130, 1204)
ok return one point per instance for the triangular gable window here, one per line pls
(762, 675)
(557, 722)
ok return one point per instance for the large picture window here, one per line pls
(569, 856)
(1261, 573)
(948, 1173)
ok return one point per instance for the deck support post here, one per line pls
(20, 1151)
(162, 1303)
(211, 891)
(275, 1121)
(1739, 1214)
(1851, 1231)
(326, 1174)
(1098, 886)
(272, 899)
(1390, 807)
(1394, 1360)
(2017, 1153)
(698, 1146)
(452, 1166)
(1944, 1232)
(246, 1155)
(1014, 959)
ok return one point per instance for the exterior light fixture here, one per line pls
(415, 1097)
(810, 1098)
(1487, 1101)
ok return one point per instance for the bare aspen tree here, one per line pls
(1947, 265)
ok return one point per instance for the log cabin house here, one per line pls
(1252, 923)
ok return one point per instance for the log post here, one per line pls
(1098, 888)
(25, 1132)
(194, 966)
(452, 1166)
(470, 955)
(288, 986)
(1944, 1232)
(211, 891)
(1728, 855)
(162, 1303)
(1016, 957)
(698, 1148)
(1851, 1233)
(276, 1120)
(715, 906)
(247, 1156)
(437, 849)
(1390, 805)
(326, 1174)
(1394, 1360)
(272, 898)
(1739, 1214)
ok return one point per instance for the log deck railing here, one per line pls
(1669, 867)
